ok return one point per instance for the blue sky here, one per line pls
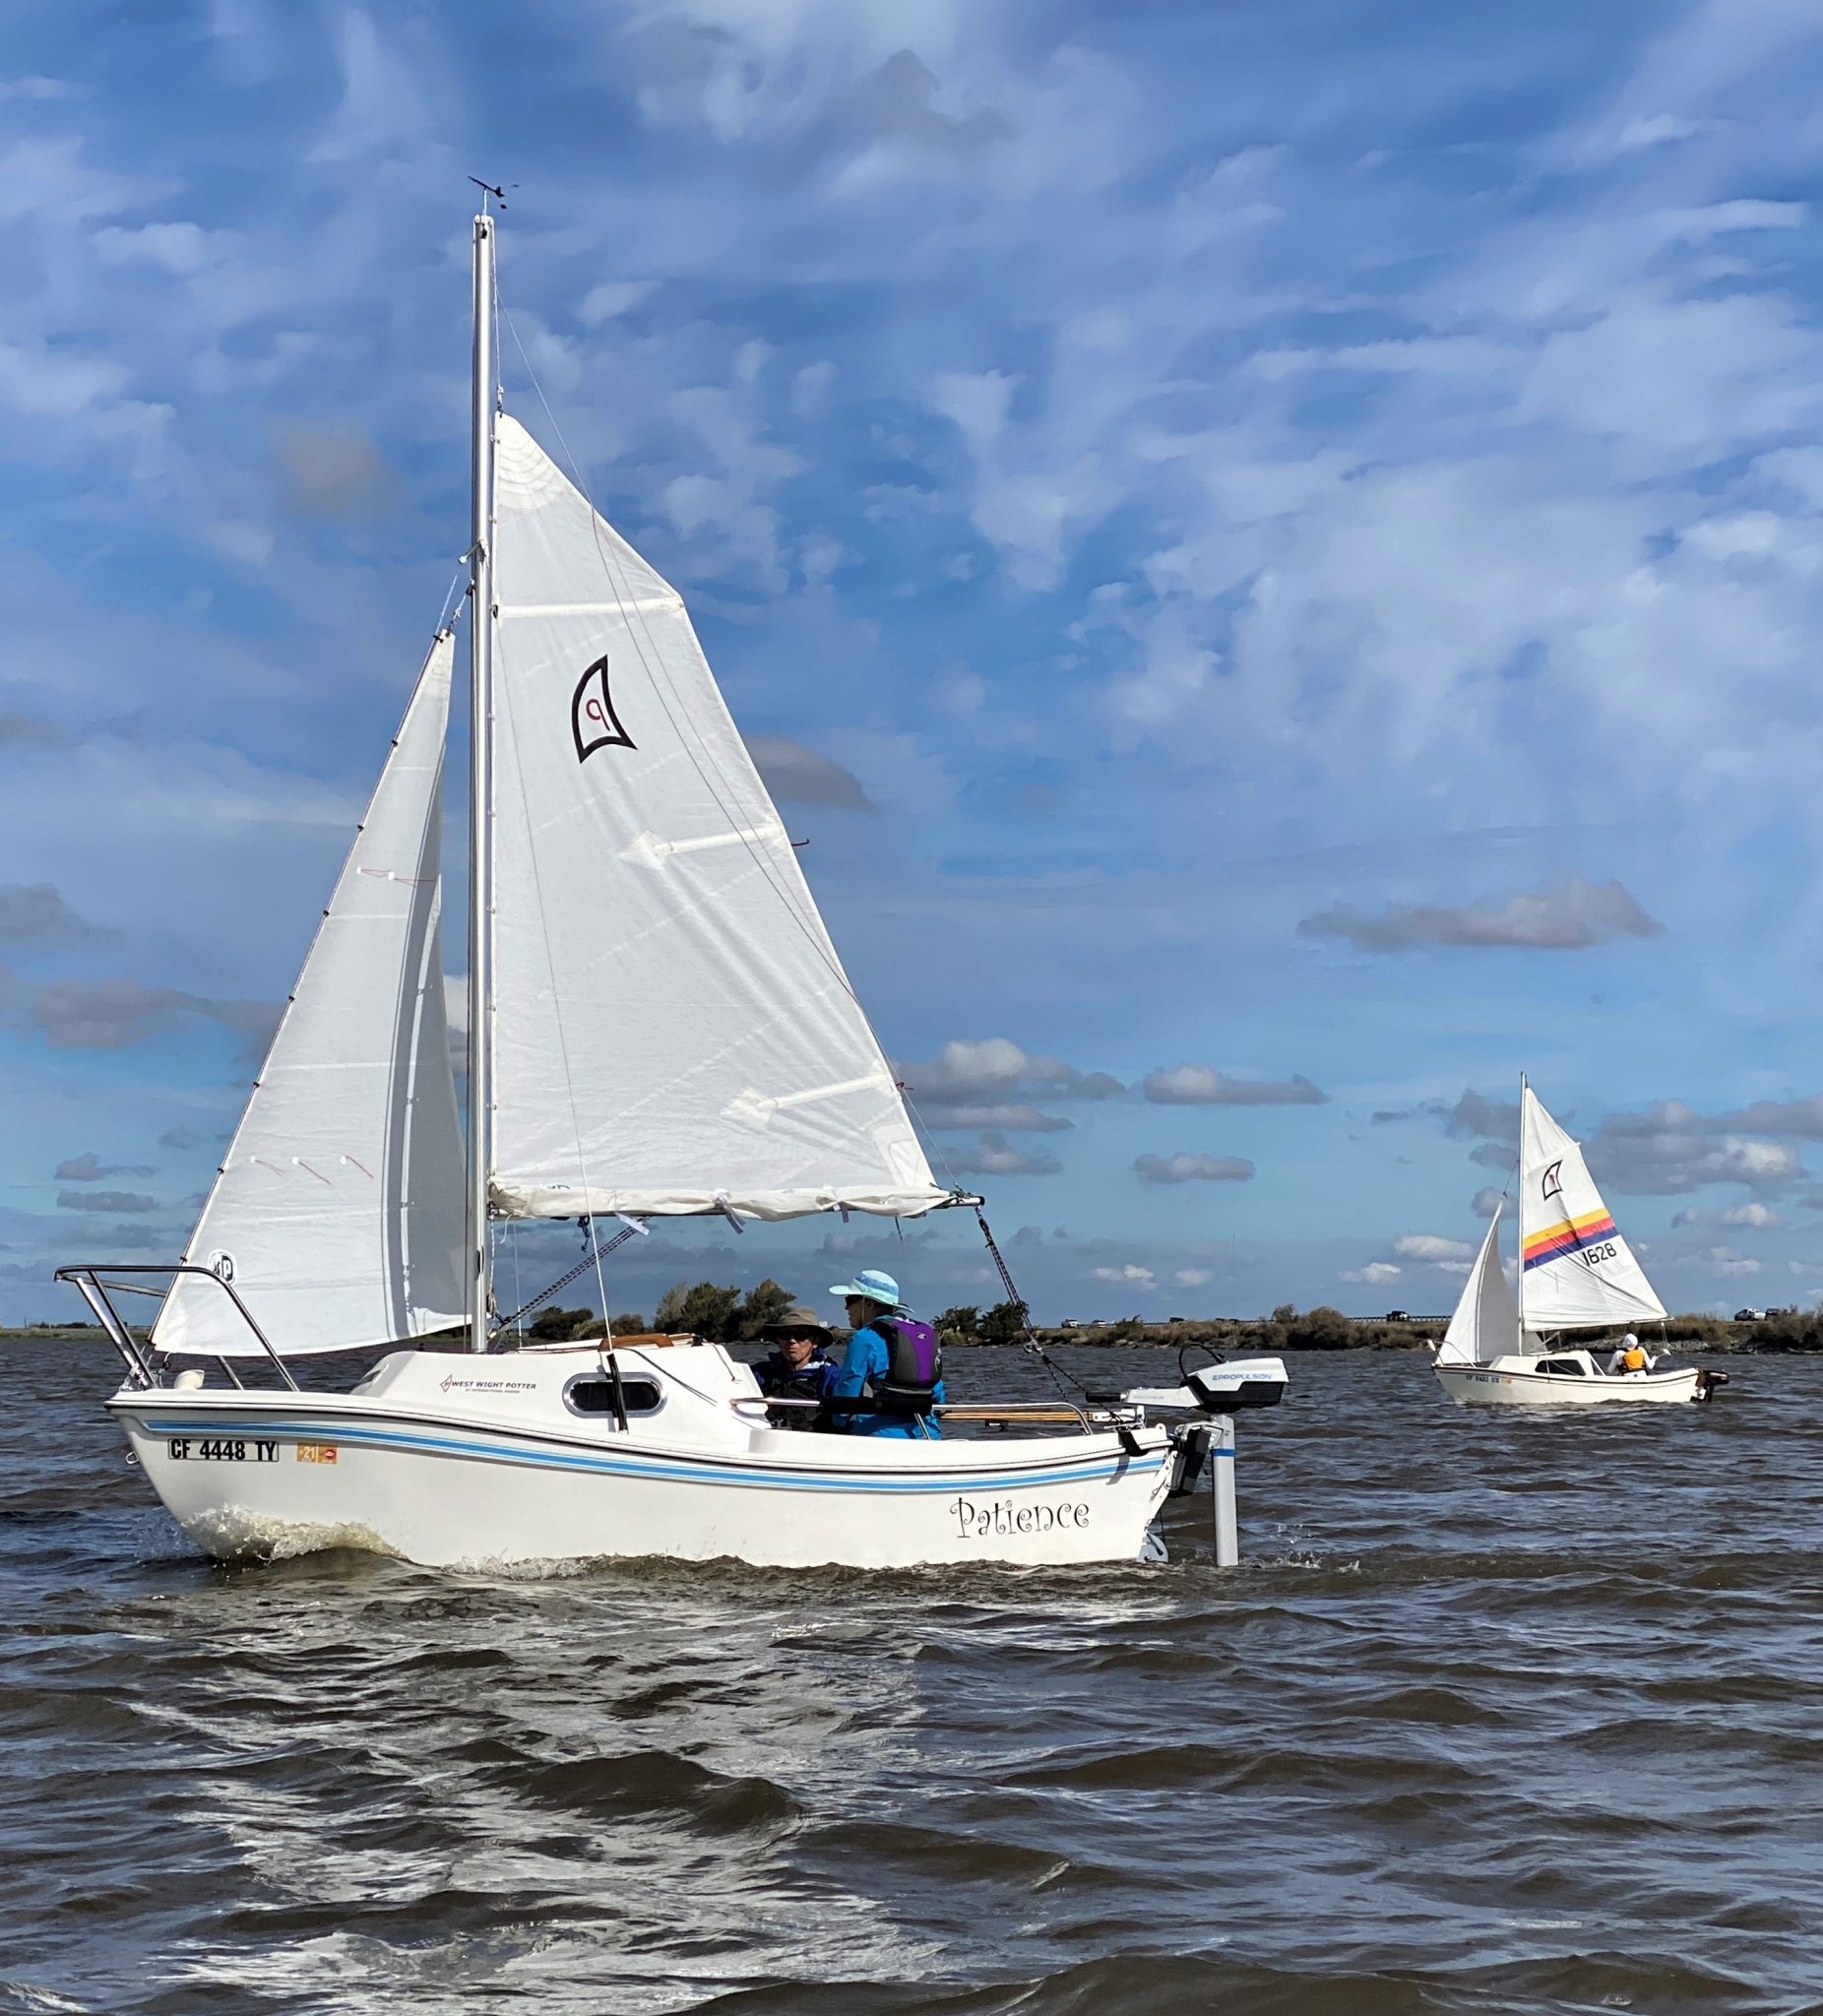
(1272, 551)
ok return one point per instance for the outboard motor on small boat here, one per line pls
(1227, 1387)
(1220, 1390)
(1707, 1382)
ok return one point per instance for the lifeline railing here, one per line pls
(87, 1280)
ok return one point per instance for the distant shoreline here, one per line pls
(1780, 1330)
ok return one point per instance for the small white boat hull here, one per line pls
(1517, 1383)
(450, 1461)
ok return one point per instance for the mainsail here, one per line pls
(338, 1214)
(1577, 1270)
(672, 1031)
(1485, 1324)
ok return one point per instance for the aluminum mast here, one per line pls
(1519, 1297)
(480, 786)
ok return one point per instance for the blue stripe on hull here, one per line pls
(706, 1471)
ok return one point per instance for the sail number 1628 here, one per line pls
(1593, 1256)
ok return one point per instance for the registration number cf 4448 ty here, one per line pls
(221, 1449)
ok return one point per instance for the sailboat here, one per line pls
(1576, 1272)
(659, 1027)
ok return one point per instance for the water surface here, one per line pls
(1502, 1713)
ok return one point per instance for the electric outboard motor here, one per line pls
(1240, 1382)
(913, 1367)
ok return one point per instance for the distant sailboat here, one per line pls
(659, 1026)
(1576, 1272)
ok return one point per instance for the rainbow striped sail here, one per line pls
(1576, 1271)
(1567, 1234)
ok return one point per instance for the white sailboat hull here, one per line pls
(424, 1462)
(1514, 1382)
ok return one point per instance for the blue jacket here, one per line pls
(814, 1379)
(870, 1356)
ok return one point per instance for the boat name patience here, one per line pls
(976, 1520)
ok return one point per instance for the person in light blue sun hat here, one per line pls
(870, 1284)
(892, 1361)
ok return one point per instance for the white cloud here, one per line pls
(964, 1077)
(1674, 380)
(1429, 1246)
(51, 180)
(996, 1155)
(37, 90)
(1193, 1169)
(1761, 1217)
(1376, 1273)
(39, 380)
(1130, 1275)
(180, 248)
(800, 775)
(610, 300)
(387, 109)
(1669, 1148)
(1660, 130)
(1569, 914)
(976, 403)
(1201, 1085)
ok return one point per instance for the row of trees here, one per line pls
(1286, 1329)
(1004, 1323)
(725, 1315)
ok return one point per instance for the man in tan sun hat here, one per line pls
(798, 1367)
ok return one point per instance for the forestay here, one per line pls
(1578, 1272)
(338, 1214)
(1485, 1324)
(672, 1031)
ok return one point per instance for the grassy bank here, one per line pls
(1323, 1329)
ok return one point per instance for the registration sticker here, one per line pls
(316, 1452)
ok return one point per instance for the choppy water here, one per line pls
(1503, 1713)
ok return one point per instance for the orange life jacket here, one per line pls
(1633, 1359)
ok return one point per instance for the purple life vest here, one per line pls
(915, 1365)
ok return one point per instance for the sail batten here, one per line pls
(672, 1031)
(1578, 1272)
(338, 1211)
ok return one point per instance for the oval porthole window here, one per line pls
(593, 1394)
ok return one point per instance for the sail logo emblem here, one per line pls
(1552, 1183)
(592, 720)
